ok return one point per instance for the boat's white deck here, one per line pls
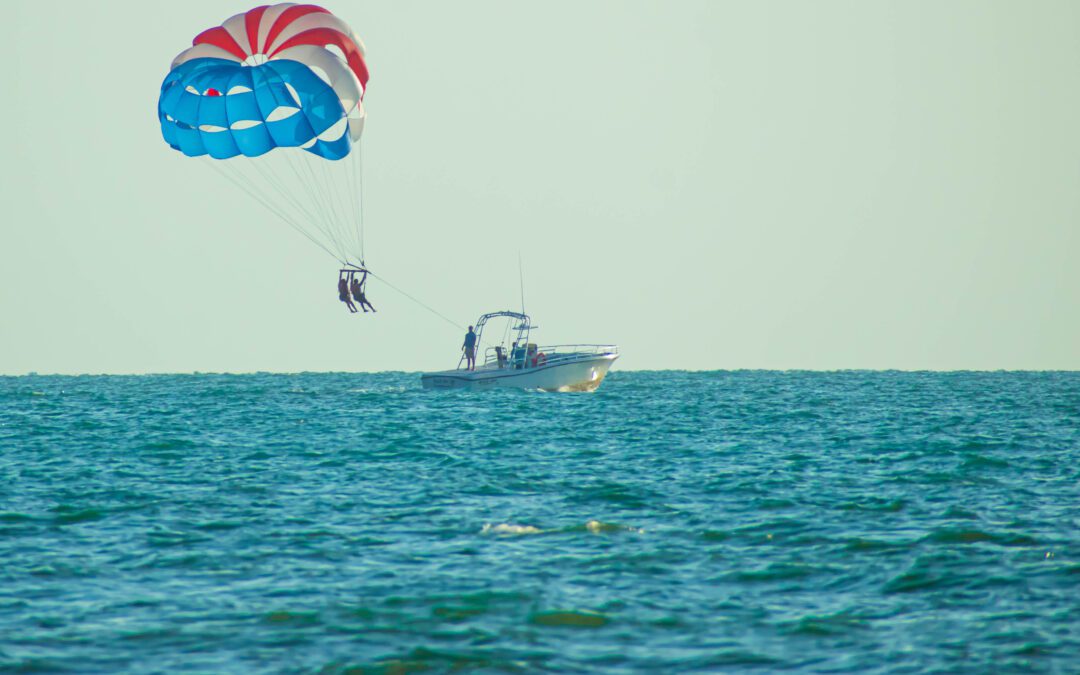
(584, 373)
(551, 358)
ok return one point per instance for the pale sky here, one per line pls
(708, 184)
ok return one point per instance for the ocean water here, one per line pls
(671, 522)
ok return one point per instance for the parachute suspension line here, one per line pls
(258, 191)
(354, 212)
(351, 202)
(329, 191)
(311, 189)
(324, 196)
(321, 193)
(248, 185)
(281, 185)
(337, 180)
(358, 165)
(351, 189)
(255, 194)
(321, 224)
(324, 221)
(425, 306)
(340, 223)
(348, 203)
(274, 181)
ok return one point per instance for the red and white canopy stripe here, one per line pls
(306, 33)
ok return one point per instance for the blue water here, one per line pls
(670, 522)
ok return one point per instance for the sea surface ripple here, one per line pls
(671, 522)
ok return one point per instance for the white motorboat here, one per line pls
(524, 364)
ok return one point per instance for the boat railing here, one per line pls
(546, 355)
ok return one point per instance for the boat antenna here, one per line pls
(521, 283)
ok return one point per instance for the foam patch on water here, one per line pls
(509, 528)
(591, 526)
(377, 390)
(599, 527)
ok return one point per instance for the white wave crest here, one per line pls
(508, 528)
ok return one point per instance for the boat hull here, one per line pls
(584, 374)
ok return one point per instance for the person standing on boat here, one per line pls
(470, 349)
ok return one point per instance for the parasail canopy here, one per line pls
(279, 91)
(282, 76)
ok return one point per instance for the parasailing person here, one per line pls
(343, 294)
(357, 288)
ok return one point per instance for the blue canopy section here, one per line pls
(277, 104)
